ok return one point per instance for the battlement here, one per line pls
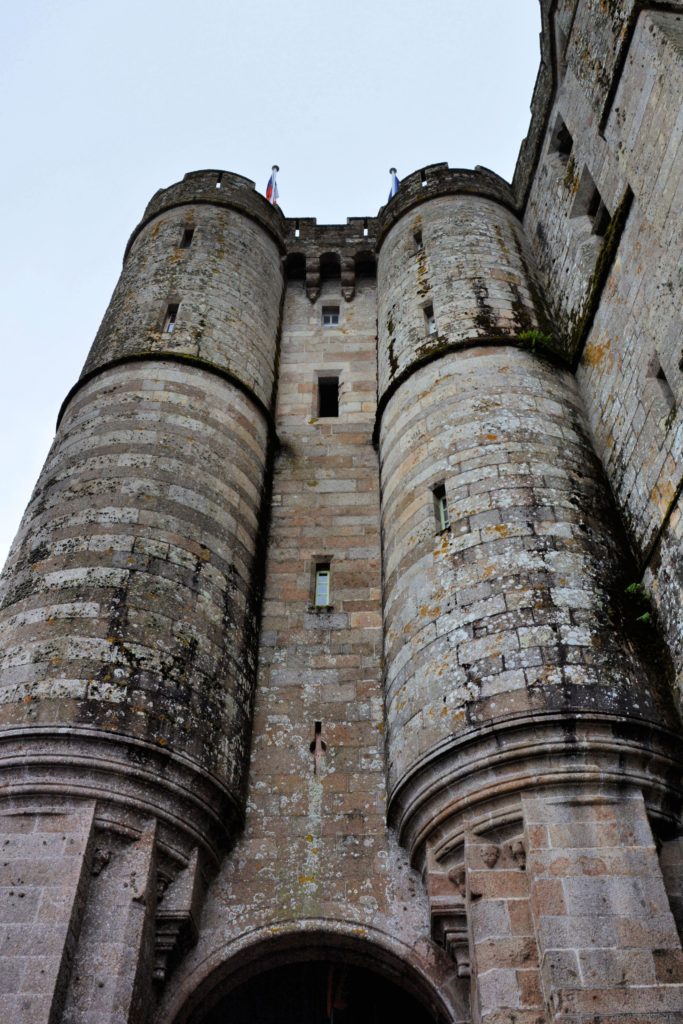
(441, 180)
(217, 188)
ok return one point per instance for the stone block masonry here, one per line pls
(340, 644)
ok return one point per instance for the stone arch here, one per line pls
(425, 973)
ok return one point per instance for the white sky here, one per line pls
(103, 102)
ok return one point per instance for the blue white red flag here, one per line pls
(394, 183)
(272, 193)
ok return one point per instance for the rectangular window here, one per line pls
(443, 521)
(322, 585)
(186, 240)
(170, 318)
(430, 322)
(328, 396)
(330, 316)
(417, 238)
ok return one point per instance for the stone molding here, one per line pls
(465, 777)
(131, 780)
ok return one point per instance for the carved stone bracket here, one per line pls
(448, 915)
(348, 277)
(313, 278)
(177, 916)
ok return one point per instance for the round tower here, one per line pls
(130, 599)
(509, 678)
(498, 564)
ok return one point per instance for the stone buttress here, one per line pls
(130, 607)
(528, 740)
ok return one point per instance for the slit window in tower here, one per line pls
(417, 238)
(328, 396)
(430, 322)
(186, 240)
(170, 318)
(330, 316)
(322, 585)
(443, 521)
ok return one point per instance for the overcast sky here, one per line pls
(103, 103)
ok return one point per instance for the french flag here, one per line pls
(394, 183)
(271, 188)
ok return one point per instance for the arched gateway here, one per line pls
(310, 974)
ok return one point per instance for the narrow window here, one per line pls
(170, 318)
(186, 240)
(661, 384)
(365, 228)
(598, 213)
(297, 229)
(417, 238)
(330, 316)
(561, 141)
(322, 584)
(430, 322)
(423, 178)
(441, 507)
(328, 396)
(219, 180)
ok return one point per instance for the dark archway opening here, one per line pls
(318, 992)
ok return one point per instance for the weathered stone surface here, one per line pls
(169, 829)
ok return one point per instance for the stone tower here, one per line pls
(341, 639)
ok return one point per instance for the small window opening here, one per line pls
(170, 318)
(443, 521)
(588, 203)
(297, 231)
(423, 178)
(219, 180)
(598, 213)
(659, 379)
(330, 316)
(330, 266)
(328, 396)
(365, 228)
(295, 266)
(318, 746)
(366, 265)
(322, 585)
(430, 321)
(417, 238)
(186, 240)
(561, 141)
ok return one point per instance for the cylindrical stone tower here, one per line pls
(507, 671)
(131, 596)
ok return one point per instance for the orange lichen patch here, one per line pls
(306, 879)
(594, 353)
(489, 571)
(490, 437)
(501, 529)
